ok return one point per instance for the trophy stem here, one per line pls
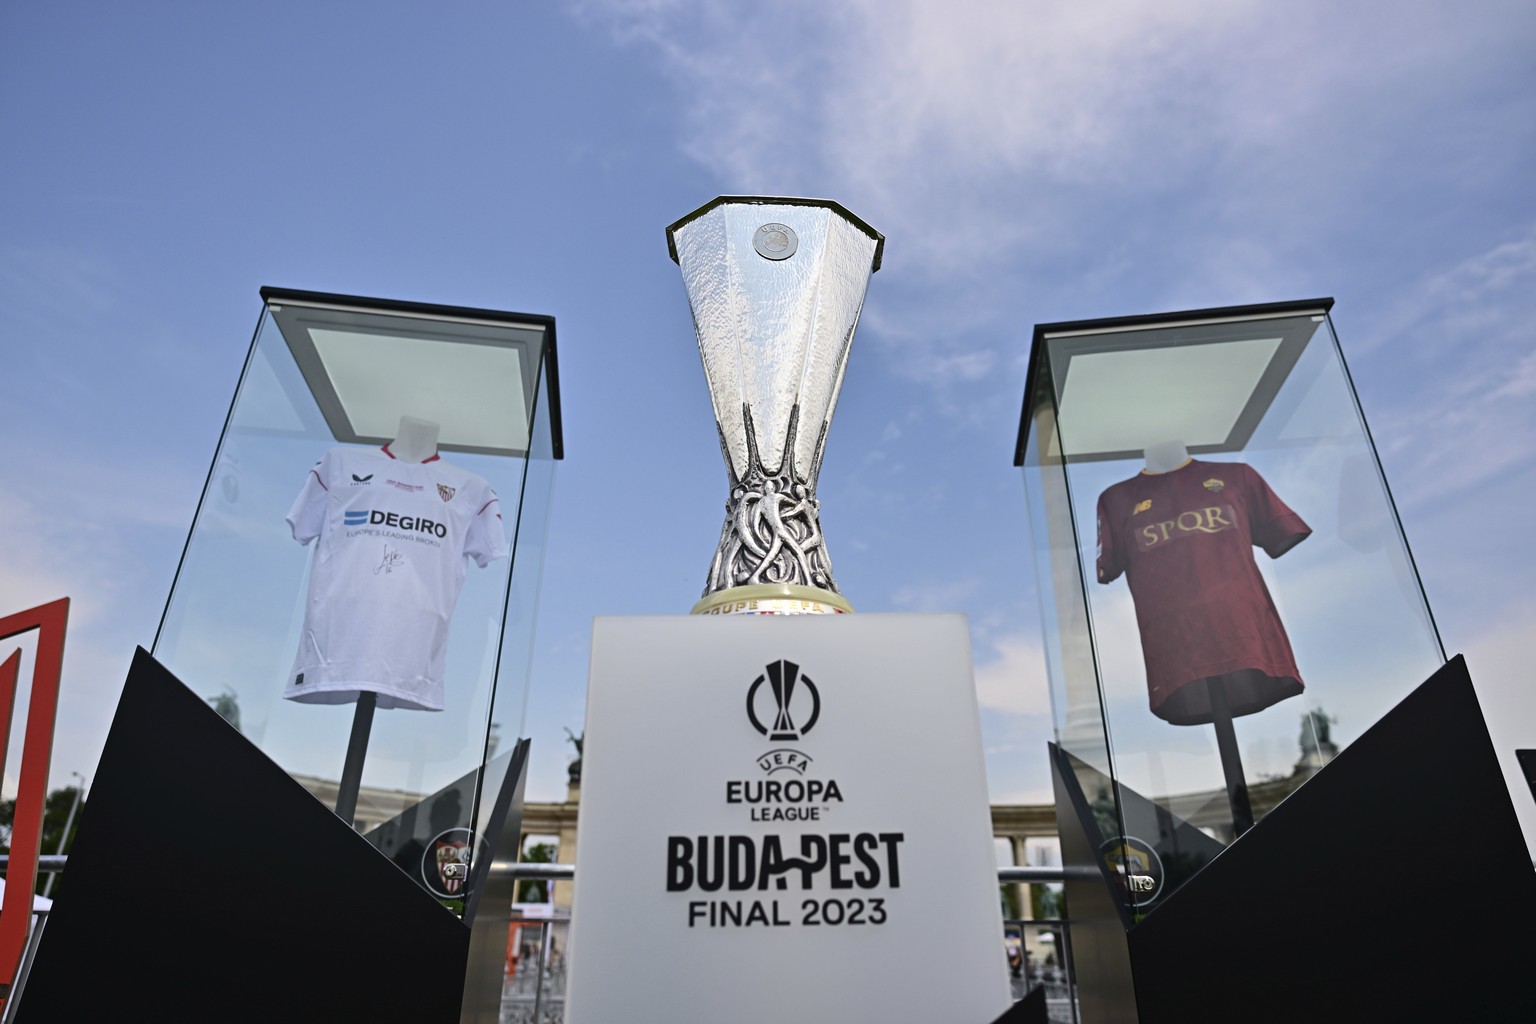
(771, 546)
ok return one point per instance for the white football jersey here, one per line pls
(395, 541)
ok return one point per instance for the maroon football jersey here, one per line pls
(1184, 540)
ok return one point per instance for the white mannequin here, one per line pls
(1165, 456)
(415, 441)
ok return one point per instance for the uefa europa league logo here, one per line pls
(776, 286)
(782, 676)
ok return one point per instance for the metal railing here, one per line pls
(528, 871)
(47, 863)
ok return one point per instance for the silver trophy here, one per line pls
(776, 286)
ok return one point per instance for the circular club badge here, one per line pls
(446, 861)
(1135, 865)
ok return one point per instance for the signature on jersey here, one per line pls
(392, 561)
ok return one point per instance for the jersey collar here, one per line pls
(1145, 472)
(423, 462)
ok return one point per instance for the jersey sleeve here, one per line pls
(1110, 560)
(1272, 524)
(486, 540)
(307, 516)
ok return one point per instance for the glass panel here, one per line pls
(1036, 937)
(534, 986)
(1077, 702)
(1182, 448)
(1036, 959)
(237, 612)
(509, 705)
(1046, 899)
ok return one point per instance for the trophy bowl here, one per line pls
(776, 286)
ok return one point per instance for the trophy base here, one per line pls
(773, 599)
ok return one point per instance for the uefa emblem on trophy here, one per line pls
(776, 286)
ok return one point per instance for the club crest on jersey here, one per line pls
(452, 857)
(1214, 485)
(445, 492)
(1141, 506)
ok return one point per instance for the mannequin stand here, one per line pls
(1231, 759)
(357, 749)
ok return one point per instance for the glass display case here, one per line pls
(372, 534)
(1227, 596)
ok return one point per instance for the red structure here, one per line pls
(37, 748)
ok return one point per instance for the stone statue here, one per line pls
(574, 771)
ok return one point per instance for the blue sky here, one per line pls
(1027, 163)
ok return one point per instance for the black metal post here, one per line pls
(1231, 759)
(357, 749)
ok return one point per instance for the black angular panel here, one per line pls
(1100, 956)
(1527, 759)
(205, 884)
(1029, 1010)
(1394, 886)
(1181, 848)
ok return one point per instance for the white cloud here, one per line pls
(1012, 680)
(1011, 792)
(1471, 329)
(112, 557)
(1521, 381)
(87, 547)
(1185, 153)
(1499, 660)
(884, 97)
(934, 597)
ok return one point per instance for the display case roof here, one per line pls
(1207, 376)
(474, 371)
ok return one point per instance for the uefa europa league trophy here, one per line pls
(776, 286)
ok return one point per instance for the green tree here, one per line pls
(227, 705)
(1008, 896)
(55, 814)
(537, 890)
